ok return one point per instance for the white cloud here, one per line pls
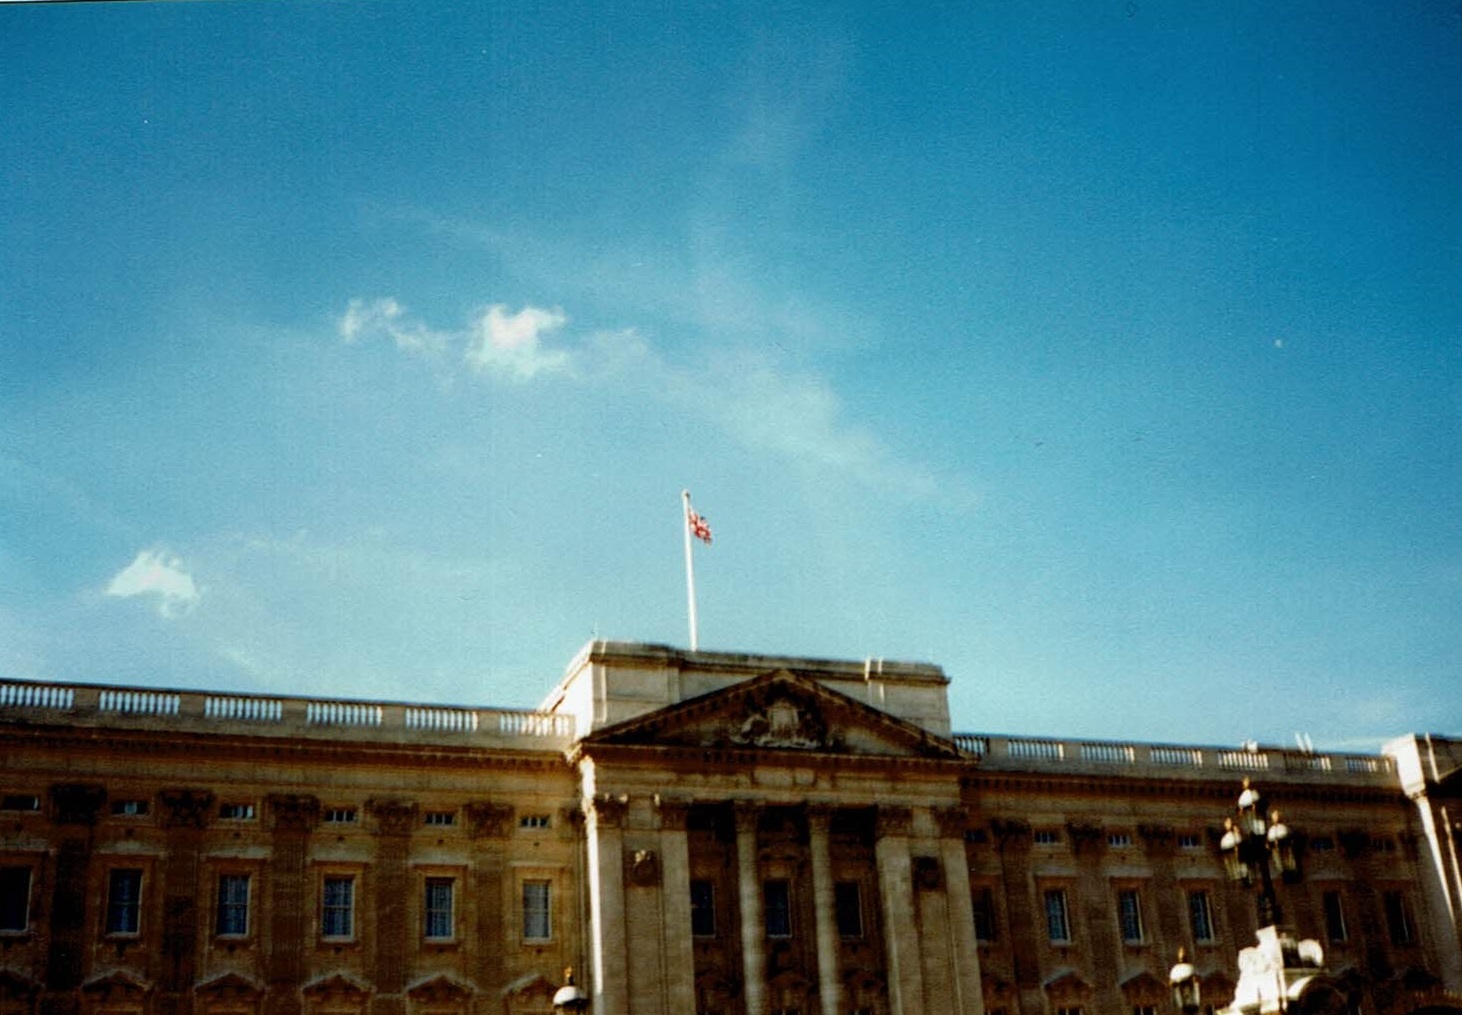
(387, 318)
(155, 573)
(510, 343)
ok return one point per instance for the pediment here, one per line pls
(230, 985)
(1067, 983)
(441, 987)
(338, 985)
(778, 711)
(117, 983)
(14, 983)
(530, 985)
(1143, 984)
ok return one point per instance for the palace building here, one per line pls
(688, 832)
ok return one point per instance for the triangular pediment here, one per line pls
(439, 988)
(340, 985)
(230, 985)
(117, 983)
(779, 711)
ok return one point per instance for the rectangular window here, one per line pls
(1129, 916)
(1190, 840)
(1144, 1009)
(1334, 917)
(702, 909)
(534, 821)
(1058, 929)
(236, 812)
(1069, 1010)
(14, 899)
(129, 808)
(848, 909)
(1046, 837)
(1119, 840)
(1398, 918)
(982, 901)
(438, 907)
(20, 802)
(341, 816)
(440, 819)
(537, 922)
(1200, 916)
(777, 903)
(233, 906)
(337, 909)
(1322, 844)
(124, 901)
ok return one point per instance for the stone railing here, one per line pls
(86, 704)
(1043, 754)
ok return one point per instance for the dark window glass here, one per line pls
(702, 909)
(14, 898)
(233, 905)
(848, 908)
(1334, 917)
(1129, 916)
(1057, 927)
(1398, 919)
(439, 917)
(337, 914)
(777, 899)
(124, 901)
(983, 902)
(1200, 916)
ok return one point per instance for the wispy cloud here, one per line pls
(156, 573)
(385, 317)
(510, 344)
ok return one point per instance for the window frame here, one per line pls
(530, 908)
(852, 909)
(431, 911)
(1400, 924)
(1055, 906)
(329, 931)
(782, 888)
(26, 899)
(1201, 899)
(982, 902)
(1130, 925)
(1334, 918)
(702, 908)
(224, 905)
(115, 913)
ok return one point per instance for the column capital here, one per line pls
(951, 821)
(488, 820)
(1085, 837)
(77, 804)
(288, 813)
(607, 810)
(642, 868)
(674, 812)
(393, 817)
(185, 808)
(1157, 839)
(1012, 833)
(747, 814)
(894, 820)
(820, 817)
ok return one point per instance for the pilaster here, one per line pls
(604, 820)
(829, 980)
(488, 825)
(74, 810)
(753, 936)
(675, 904)
(184, 816)
(896, 890)
(395, 820)
(964, 951)
(292, 819)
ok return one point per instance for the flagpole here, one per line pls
(689, 567)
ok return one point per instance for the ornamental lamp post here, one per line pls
(1255, 844)
(1185, 982)
(569, 998)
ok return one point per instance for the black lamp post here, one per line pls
(1253, 844)
(569, 998)
(1185, 983)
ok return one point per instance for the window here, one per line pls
(124, 901)
(1058, 930)
(1334, 917)
(1119, 840)
(438, 909)
(1045, 837)
(236, 811)
(14, 899)
(1200, 916)
(982, 901)
(337, 909)
(1144, 1009)
(777, 900)
(1398, 918)
(1383, 844)
(1069, 1010)
(129, 808)
(341, 816)
(702, 909)
(20, 802)
(1190, 840)
(537, 923)
(1129, 916)
(440, 819)
(533, 821)
(1322, 844)
(233, 906)
(848, 909)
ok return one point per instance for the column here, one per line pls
(753, 933)
(829, 982)
(1013, 838)
(75, 808)
(964, 959)
(1169, 899)
(604, 820)
(675, 905)
(395, 820)
(896, 890)
(1093, 909)
(1441, 884)
(488, 825)
(292, 818)
(184, 815)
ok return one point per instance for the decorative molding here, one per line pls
(642, 868)
(186, 808)
(488, 820)
(1011, 832)
(674, 812)
(951, 821)
(747, 814)
(1086, 837)
(288, 813)
(393, 817)
(893, 820)
(77, 804)
(607, 810)
(776, 716)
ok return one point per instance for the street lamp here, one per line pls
(1255, 844)
(569, 998)
(1185, 981)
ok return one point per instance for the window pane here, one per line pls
(14, 898)
(233, 905)
(983, 901)
(1129, 916)
(439, 923)
(1398, 919)
(848, 908)
(337, 918)
(1334, 917)
(124, 901)
(778, 902)
(536, 923)
(1056, 926)
(1200, 915)
(702, 909)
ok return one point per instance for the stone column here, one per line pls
(753, 931)
(1169, 899)
(488, 825)
(292, 819)
(896, 890)
(964, 957)
(74, 810)
(1441, 883)
(829, 982)
(675, 905)
(395, 820)
(604, 821)
(184, 815)
(1093, 908)
(1013, 838)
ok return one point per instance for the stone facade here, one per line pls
(690, 832)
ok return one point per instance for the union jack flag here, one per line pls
(699, 527)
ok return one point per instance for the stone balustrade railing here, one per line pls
(1014, 753)
(284, 716)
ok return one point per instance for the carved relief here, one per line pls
(674, 813)
(487, 820)
(951, 821)
(1011, 832)
(294, 813)
(393, 817)
(186, 808)
(894, 820)
(1085, 838)
(642, 868)
(608, 809)
(76, 804)
(780, 720)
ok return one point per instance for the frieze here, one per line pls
(293, 813)
(487, 820)
(186, 808)
(393, 817)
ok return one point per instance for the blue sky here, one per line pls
(1105, 353)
